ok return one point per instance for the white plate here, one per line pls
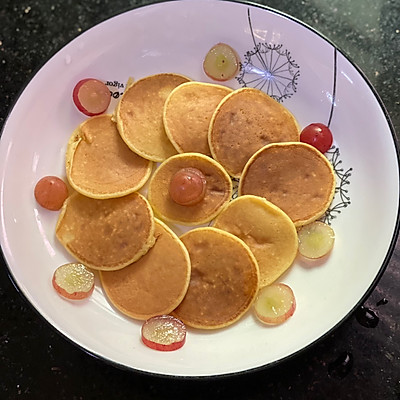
(174, 37)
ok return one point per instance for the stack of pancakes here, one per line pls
(209, 276)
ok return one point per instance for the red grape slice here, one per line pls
(164, 333)
(73, 281)
(91, 96)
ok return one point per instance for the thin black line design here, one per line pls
(341, 190)
(269, 67)
(333, 155)
(271, 77)
(334, 85)
(235, 188)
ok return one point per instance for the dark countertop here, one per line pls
(37, 363)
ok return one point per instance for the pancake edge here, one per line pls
(117, 119)
(73, 143)
(167, 128)
(252, 299)
(217, 110)
(146, 247)
(319, 214)
(264, 201)
(169, 309)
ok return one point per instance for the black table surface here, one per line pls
(356, 361)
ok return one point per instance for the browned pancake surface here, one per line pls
(294, 176)
(245, 121)
(99, 164)
(139, 115)
(266, 229)
(218, 189)
(224, 279)
(106, 234)
(156, 283)
(187, 114)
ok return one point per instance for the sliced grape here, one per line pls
(221, 62)
(164, 333)
(50, 192)
(275, 303)
(315, 239)
(73, 281)
(187, 186)
(91, 96)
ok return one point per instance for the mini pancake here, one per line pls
(266, 229)
(187, 114)
(224, 279)
(156, 283)
(139, 115)
(244, 121)
(106, 234)
(100, 165)
(296, 177)
(218, 190)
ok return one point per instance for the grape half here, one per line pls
(73, 281)
(221, 62)
(315, 240)
(275, 303)
(164, 333)
(91, 96)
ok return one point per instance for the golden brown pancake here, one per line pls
(100, 165)
(266, 229)
(187, 114)
(156, 283)
(217, 193)
(296, 177)
(224, 279)
(139, 115)
(106, 234)
(246, 120)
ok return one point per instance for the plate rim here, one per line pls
(382, 268)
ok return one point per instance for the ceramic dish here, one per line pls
(279, 55)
